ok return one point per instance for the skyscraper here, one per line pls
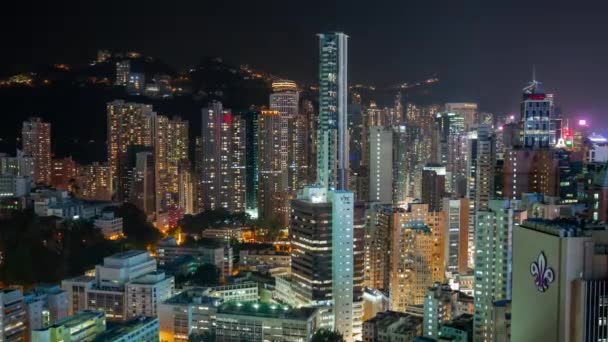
(332, 158)
(252, 135)
(129, 124)
(493, 259)
(223, 159)
(468, 111)
(273, 195)
(457, 234)
(416, 254)
(36, 143)
(380, 164)
(536, 114)
(433, 186)
(325, 214)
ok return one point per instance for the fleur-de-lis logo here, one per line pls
(543, 275)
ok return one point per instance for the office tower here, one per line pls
(442, 304)
(456, 213)
(468, 111)
(377, 246)
(380, 164)
(433, 186)
(273, 194)
(559, 266)
(13, 317)
(252, 121)
(332, 155)
(298, 161)
(536, 114)
(446, 125)
(222, 178)
(129, 124)
(493, 260)
(63, 173)
(36, 143)
(126, 285)
(94, 182)
(450, 152)
(123, 69)
(416, 254)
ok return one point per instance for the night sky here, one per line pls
(482, 50)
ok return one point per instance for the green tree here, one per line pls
(138, 230)
(324, 335)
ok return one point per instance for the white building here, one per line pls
(14, 186)
(13, 317)
(45, 305)
(110, 226)
(191, 312)
(126, 285)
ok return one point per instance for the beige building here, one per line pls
(562, 268)
(416, 255)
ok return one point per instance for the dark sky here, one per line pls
(484, 50)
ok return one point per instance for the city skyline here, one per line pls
(479, 51)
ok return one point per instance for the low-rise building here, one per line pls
(191, 312)
(224, 233)
(392, 326)
(140, 329)
(45, 305)
(126, 285)
(205, 252)
(237, 321)
(460, 329)
(110, 225)
(263, 259)
(83, 326)
(13, 317)
(441, 305)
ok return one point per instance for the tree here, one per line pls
(206, 274)
(138, 230)
(324, 335)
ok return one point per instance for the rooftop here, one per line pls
(76, 319)
(127, 254)
(196, 295)
(258, 309)
(115, 331)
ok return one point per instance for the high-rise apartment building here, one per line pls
(416, 254)
(36, 143)
(457, 234)
(273, 192)
(129, 125)
(222, 178)
(493, 260)
(380, 164)
(94, 182)
(480, 175)
(560, 268)
(377, 245)
(63, 173)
